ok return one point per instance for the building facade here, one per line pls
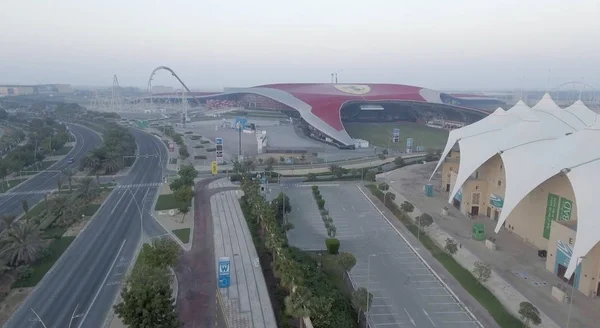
(545, 218)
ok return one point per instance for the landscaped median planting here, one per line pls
(332, 244)
(469, 282)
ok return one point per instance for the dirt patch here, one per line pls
(76, 228)
(12, 301)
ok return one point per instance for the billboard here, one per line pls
(551, 213)
(396, 135)
(224, 267)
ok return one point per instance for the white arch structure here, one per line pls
(527, 139)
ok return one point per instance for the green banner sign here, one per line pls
(565, 209)
(496, 201)
(551, 213)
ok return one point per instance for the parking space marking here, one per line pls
(428, 317)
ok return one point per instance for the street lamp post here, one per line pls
(573, 291)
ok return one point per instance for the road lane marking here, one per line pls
(102, 285)
(423, 260)
(114, 208)
(428, 317)
(410, 318)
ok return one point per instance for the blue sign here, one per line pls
(458, 195)
(219, 141)
(224, 269)
(242, 121)
(563, 257)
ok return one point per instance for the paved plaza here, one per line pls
(246, 301)
(406, 292)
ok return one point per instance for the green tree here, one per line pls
(451, 246)
(347, 260)
(297, 304)
(69, 173)
(281, 206)
(311, 177)
(389, 196)
(407, 207)
(184, 195)
(147, 299)
(162, 253)
(370, 176)
(362, 300)
(430, 156)
(482, 271)
(183, 152)
(530, 314)
(399, 161)
(337, 170)
(22, 244)
(384, 186)
(425, 220)
(183, 209)
(321, 314)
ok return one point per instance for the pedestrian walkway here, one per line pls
(247, 302)
(518, 275)
(220, 183)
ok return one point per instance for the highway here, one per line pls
(11, 202)
(80, 289)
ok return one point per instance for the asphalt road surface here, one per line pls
(33, 189)
(406, 292)
(80, 289)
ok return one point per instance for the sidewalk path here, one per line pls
(247, 302)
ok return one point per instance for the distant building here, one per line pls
(161, 89)
(20, 90)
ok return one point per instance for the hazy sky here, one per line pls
(443, 44)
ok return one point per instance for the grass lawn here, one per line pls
(166, 202)
(183, 235)
(7, 185)
(55, 250)
(36, 209)
(34, 169)
(379, 133)
(90, 209)
(63, 151)
(483, 295)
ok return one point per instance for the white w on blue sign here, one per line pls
(224, 265)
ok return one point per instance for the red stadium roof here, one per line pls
(327, 99)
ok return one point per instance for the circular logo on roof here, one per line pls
(353, 89)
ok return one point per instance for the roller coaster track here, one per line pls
(172, 73)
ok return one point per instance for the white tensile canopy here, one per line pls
(528, 147)
(495, 121)
(544, 124)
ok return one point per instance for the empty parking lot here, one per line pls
(406, 292)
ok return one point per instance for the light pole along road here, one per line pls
(81, 287)
(11, 201)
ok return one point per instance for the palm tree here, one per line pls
(184, 210)
(26, 208)
(7, 221)
(69, 173)
(59, 185)
(85, 187)
(22, 244)
(297, 304)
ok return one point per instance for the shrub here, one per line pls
(370, 176)
(451, 246)
(24, 272)
(384, 186)
(198, 146)
(321, 203)
(195, 137)
(333, 245)
(200, 157)
(317, 193)
(210, 150)
(204, 142)
(311, 177)
(188, 132)
(315, 188)
(235, 178)
(407, 207)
